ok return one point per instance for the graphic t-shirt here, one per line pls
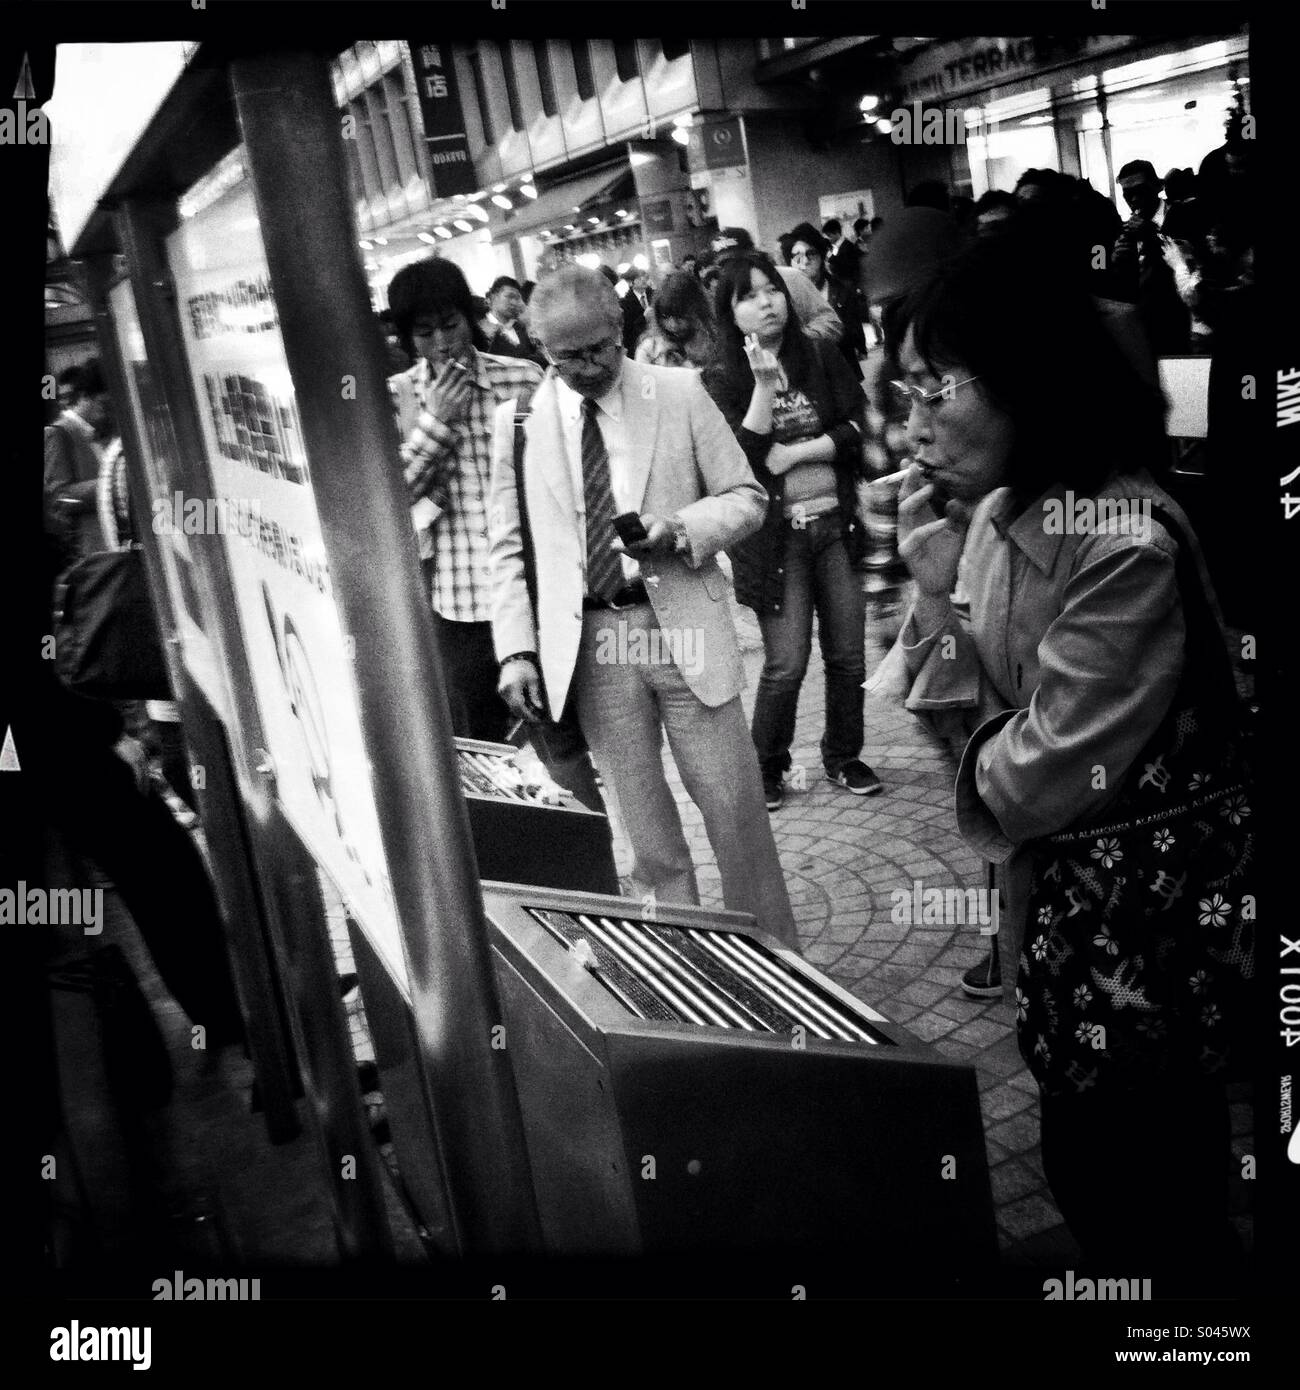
(794, 418)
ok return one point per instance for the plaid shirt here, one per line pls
(452, 465)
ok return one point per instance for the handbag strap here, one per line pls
(1207, 662)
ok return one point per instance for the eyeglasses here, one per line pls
(589, 355)
(915, 395)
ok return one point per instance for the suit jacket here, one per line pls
(634, 320)
(686, 463)
(72, 470)
(526, 347)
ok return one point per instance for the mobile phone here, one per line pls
(630, 528)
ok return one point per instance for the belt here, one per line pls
(805, 516)
(627, 597)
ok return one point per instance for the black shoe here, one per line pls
(773, 793)
(984, 981)
(857, 777)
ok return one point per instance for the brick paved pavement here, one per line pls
(843, 857)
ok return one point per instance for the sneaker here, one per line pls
(858, 778)
(773, 793)
(984, 981)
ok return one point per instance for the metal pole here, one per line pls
(290, 127)
(289, 891)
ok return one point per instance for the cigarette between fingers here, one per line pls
(892, 479)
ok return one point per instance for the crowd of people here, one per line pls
(596, 464)
(733, 412)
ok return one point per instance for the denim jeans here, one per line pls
(818, 577)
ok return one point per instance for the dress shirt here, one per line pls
(609, 417)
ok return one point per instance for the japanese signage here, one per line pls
(444, 122)
(264, 508)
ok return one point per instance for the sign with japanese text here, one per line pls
(264, 507)
(444, 121)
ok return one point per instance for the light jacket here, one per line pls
(686, 464)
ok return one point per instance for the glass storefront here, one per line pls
(1169, 109)
(1004, 138)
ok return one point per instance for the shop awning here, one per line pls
(555, 206)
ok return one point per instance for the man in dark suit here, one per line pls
(509, 336)
(635, 303)
(842, 254)
(72, 460)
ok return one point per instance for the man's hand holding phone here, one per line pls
(644, 535)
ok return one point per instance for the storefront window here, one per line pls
(1174, 122)
(1007, 137)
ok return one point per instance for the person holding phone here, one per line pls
(445, 406)
(635, 633)
(797, 413)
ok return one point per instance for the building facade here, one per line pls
(510, 156)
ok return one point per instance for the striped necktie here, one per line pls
(604, 567)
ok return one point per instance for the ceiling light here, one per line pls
(381, 241)
(682, 134)
(463, 225)
(502, 201)
(868, 103)
(622, 212)
(498, 188)
(624, 267)
(641, 262)
(884, 126)
(475, 211)
(683, 120)
(569, 227)
(424, 236)
(442, 231)
(594, 221)
(366, 245)
(590, 259)
(528, 190)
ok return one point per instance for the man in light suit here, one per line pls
(640, 638)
